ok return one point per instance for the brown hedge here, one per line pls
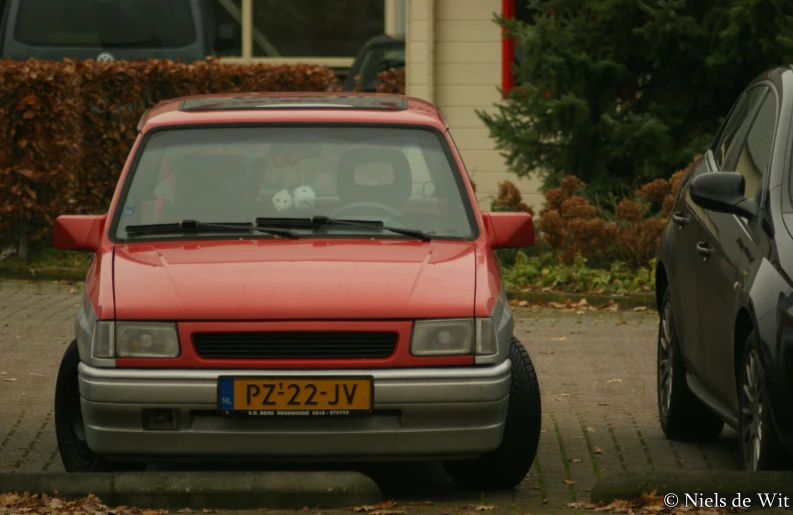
(571, 225)
(40, 135)
(391, 81)
(67, 127)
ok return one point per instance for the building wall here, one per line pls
(454, 60)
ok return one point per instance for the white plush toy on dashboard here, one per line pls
(304, 197)
(282, 200)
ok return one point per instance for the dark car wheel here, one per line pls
(683, 416)
(761, 448)
(69, 427)
(507, 466)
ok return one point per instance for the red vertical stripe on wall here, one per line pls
(507, 49)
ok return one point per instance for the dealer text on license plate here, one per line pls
(288, 396)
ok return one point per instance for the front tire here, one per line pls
(506, 466)
(69, 427)
(682, 415)
(761, 448)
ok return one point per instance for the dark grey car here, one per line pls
(725, 296)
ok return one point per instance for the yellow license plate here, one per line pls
(295, 396)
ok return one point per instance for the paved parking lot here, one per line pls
(596, 373)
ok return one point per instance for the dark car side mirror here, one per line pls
(228, 37)
(723, 192)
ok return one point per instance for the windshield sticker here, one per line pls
(129, 211)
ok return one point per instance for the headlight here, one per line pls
(135, 340)
(454, 337)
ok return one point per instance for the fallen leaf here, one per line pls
(10, 380)
(621, 322)
(681, 461)
(560, 339)
(35, 374)
(547, 353)
(575, 460)
(640, 308)
(72, 291)
(568, 481)
(485, 507)
(428, 503)
(615, 381)
(523, 304)
(388, 512)
(591, 430)
(598, 450)
(545, 500)
(2, 373)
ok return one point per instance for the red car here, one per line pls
(297, 277)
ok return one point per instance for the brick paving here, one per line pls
(596, 373)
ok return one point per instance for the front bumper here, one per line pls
(452, 412)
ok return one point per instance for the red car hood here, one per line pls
(287, 280)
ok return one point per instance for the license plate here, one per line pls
(288, 396)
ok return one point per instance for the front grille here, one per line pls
(295, 345)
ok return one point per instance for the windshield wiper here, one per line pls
(195, 226)
(316, 222)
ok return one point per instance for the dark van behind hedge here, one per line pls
(107, 30)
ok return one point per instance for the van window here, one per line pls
(105, 23)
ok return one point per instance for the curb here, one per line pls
(628, 301)
(726, 484)
(198, 490)
(42, 273)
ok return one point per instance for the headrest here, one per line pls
(351, 177)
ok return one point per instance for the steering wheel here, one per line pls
(355, 205)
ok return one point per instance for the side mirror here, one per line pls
(509, 230)
(723, 192)
(78, 232)
(228, 37)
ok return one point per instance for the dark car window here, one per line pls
(724, 148)
(755, 155)
(105, 23)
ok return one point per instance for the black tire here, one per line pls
(506, 466)
(682, 415)
(766, 452)
(69, 427)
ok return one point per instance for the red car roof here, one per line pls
(318, 107)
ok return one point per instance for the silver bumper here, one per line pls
(418, 413)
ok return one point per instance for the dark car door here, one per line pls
(686, 220)
(690, 219)
(729, 239)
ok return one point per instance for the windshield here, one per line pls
(278, 177)
(105, 23)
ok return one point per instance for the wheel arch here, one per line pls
(661, 283)
(744, 325)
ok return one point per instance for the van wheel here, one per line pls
(69, 428)
(683, 416)
(506, 466)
